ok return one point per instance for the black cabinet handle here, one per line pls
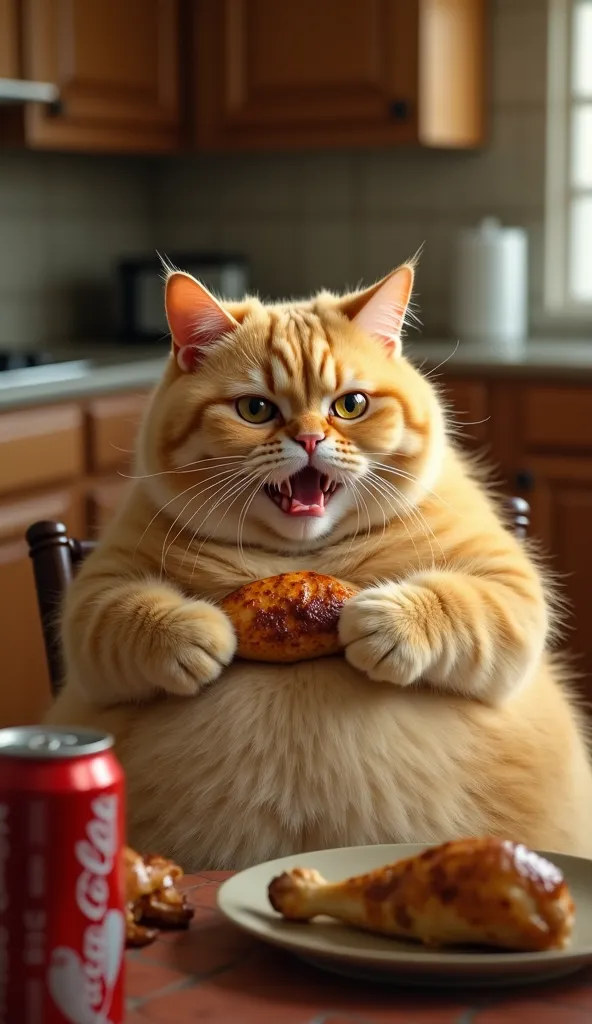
(524, 480)
(399, 110)
(56, 109)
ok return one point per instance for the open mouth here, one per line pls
(307, 493)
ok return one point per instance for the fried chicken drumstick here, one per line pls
(485, 892)
(151, 897)
(287, 618)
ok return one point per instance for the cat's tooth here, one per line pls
(333, 486)
(286, 504)
(286, 488)
(324, 483)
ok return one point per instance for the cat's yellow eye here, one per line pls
(351, 406)
(255, 410)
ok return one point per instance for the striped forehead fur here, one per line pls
(299, 349)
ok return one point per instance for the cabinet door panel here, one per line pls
(557, 418)
(117, 67)
(306, 66)
(40, 446)
(560, 497)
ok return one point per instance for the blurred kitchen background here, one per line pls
(282, 148)
(305, 212)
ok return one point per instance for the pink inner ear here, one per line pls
(195, 317)
(384, 312)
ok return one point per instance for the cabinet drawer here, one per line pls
(556, 418)
(61, 506)
(40, 446)
(469, 409)
(113, 426)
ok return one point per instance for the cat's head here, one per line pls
(290, 425)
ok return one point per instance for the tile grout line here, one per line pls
(190, 981)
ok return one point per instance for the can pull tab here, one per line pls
(49, 742)
(43, 742)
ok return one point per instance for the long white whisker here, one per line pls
(431, 372)
(235, 490)
(241, 522)
(228, 475)
(413, 479)
(375, 482)
(357, 529)
(414, 513)
(234, 493)
(189, 467)
(225, 488)
(368, 516)
(160, 510)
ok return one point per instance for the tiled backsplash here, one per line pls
(306, 220)
(64, 222)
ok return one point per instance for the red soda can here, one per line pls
(62, 922)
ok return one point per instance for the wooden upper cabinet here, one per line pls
(116, 63)
(340, 72)
(9, 53)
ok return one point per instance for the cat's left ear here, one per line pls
(380, 310)
(196, 319)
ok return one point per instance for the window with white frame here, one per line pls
(569, 158)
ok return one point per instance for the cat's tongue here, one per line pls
(307, 497)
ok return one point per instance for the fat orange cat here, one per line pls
(297, 436)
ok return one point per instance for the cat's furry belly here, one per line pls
(273, 760)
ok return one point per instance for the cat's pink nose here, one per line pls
(309, 441)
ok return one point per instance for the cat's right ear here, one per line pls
(196, 319)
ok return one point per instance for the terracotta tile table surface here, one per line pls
(214, 974)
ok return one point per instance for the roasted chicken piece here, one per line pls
(151, 897)
(287, 618)
(484, 892)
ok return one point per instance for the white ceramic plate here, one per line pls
(345, 950)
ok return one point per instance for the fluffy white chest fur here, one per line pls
(274, 760)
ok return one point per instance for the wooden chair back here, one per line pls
(56, 556)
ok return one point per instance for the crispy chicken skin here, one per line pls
(485, 892)
(287, 618)
(151, 897)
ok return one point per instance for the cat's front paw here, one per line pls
(385, 632)
(195, 643)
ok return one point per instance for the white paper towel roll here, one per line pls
(490, 287)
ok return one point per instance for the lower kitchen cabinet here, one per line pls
(62, 462)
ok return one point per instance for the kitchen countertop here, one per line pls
(549, 358)
(86, 372)
(110, 368)
(216, 974)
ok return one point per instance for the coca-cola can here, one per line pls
(62, 921)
